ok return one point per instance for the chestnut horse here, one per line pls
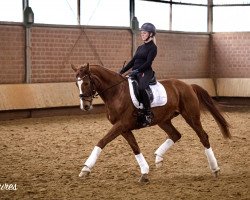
(183, 99)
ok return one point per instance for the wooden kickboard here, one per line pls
(42, 95)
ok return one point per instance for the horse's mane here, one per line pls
(96, 66)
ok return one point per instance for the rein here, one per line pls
(93, 92)
(98, 94)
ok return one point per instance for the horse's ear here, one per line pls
(74, 67)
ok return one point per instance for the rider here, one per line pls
(141, 65)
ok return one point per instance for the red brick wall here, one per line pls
(231, 55)
(12, 53)
(53, 49)
(182, 56)
(179, 55)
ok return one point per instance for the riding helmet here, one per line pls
(149, 28)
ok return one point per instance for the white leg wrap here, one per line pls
(142, 163)
(159, 153)
(211, 160)
(90, 162)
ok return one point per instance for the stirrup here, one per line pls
(148, 118)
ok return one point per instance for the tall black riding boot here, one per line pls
(147, 112)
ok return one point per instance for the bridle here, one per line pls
(92, 93)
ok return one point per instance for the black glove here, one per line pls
(134, 73)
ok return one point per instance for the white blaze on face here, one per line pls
(79, 83)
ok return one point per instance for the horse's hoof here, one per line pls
(159, 164)
(158, 161)
(84, 174)
(144, 178)
(216, 173)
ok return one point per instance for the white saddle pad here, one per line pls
(159, 93)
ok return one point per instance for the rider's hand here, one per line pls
(134, 73)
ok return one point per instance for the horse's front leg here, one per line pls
(90, 162)
(129, 136)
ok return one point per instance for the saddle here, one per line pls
(148, 89)
(156, 91)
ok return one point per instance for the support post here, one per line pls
(134, 25)
(79, 12)
(209, 16)
(134, 28)
(28, 21)
(170, 15)
(28, 55)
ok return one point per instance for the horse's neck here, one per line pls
(105, 80)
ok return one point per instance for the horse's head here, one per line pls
(85, 85)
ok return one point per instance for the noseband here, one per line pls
(92, 92)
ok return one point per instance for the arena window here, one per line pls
(176, 15)
(7, 8)
(189, 18)
(231, 15)
(55, 12)
(105, 13)
(152, 12)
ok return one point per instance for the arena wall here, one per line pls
(53, 48)
(230, 63)
(214, 61)
(230, 55)
(12, 54)
(182, 55)
(33, 96)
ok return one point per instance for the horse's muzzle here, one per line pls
(86, 107)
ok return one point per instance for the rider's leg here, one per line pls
(144, 80)
(147, 107)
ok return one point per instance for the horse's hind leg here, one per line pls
(195, 123)
(173, 135)
(129, 136)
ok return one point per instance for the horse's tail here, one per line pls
(207, 102)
